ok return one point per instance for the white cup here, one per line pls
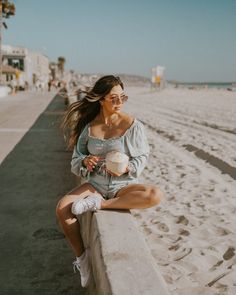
(116, 162)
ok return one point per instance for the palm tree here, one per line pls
(7, 9)
(52, 68)
(61, 64)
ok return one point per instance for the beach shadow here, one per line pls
(35, 258)
(224, 167)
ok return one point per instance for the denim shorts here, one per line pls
(108, 185)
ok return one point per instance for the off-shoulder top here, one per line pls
(133, 143)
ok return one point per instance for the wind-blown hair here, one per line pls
(80, 113)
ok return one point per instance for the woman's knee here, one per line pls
(63, 208)
(154, 195)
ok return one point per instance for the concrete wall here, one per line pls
(121, 261)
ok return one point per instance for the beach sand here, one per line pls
(192, 234)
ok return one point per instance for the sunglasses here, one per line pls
(115, 99)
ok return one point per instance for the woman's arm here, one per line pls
(138, 147)
(79, 154)
(137, 164)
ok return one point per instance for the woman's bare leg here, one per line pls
(68, 221)
(134, 196)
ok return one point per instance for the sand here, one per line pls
(192, 234)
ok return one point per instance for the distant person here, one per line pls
(26, 86)
(99, 128)
(13, 85)
(54, 84)
(37, 85)
(49, 85)
(63, 92)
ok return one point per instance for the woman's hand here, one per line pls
(90, 162)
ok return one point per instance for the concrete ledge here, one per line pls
(121, 261)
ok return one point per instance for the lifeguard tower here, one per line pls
(158, 80)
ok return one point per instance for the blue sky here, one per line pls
(194, 40)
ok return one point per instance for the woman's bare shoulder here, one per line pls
(127, 119)
(96, 121)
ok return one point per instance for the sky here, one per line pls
(194, 40)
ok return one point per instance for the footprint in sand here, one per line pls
(233, 210)
(174, 247)
(222, 231)
(177, 256)
(147, 230)
(137, 215)
(213, 182)
(214, 267)
(183, 220)
(179, 166)
(185, 252)
(229, 253)
(163, 227)
(184, 232)
(201, 204)
(158, 209)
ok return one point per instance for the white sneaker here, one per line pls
(90, 203)
(83, 266)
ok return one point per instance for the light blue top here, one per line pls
(133, 143)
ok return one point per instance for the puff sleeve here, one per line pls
(138, 147)
(79, 153)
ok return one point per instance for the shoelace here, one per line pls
(88, 204)
(76, 265)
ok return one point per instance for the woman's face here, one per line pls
(114, 100)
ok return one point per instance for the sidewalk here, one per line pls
(17, 114)
(35, 258)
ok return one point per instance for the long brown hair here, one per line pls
(80, 113)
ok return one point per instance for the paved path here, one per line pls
(34, 256)
(17, 114)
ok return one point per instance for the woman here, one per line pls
(95, 126)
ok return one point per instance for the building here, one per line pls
(9, 73)
(30, 67)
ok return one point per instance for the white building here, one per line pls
(31, 67)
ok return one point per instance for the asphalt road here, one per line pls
(34, 255)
